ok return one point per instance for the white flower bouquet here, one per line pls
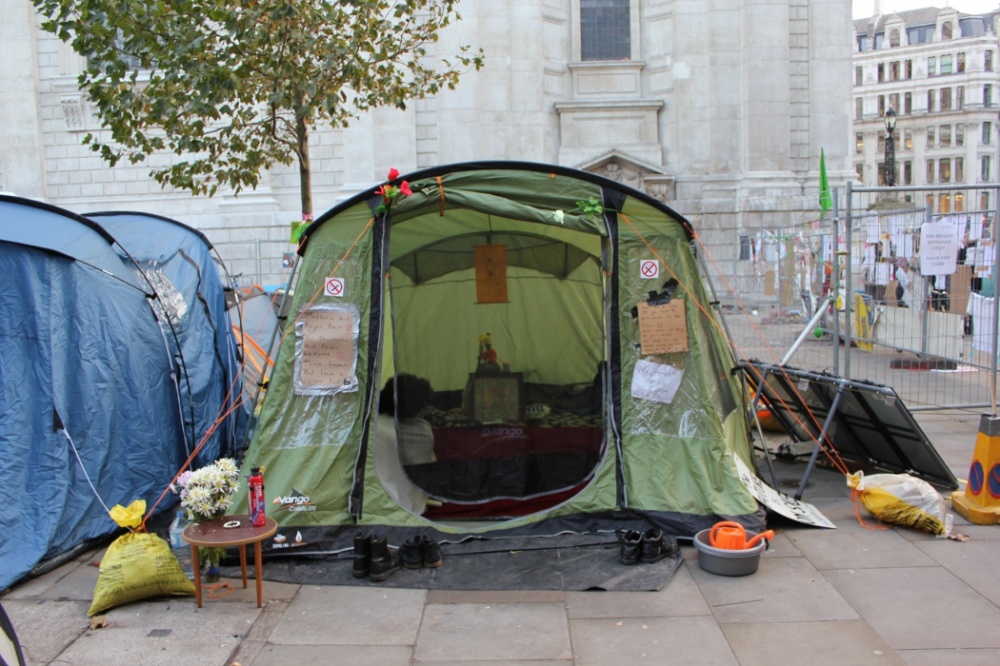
(208, 492)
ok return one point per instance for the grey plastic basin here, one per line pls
(725, 562)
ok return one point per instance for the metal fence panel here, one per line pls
(914, 323)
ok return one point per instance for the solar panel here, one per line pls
(866, 424)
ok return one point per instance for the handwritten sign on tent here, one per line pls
(326, 341)
(662, 328)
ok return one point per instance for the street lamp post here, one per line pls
(890, 147)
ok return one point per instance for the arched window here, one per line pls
(946, 30)
(894, 38)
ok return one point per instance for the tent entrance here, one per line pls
(516, 409)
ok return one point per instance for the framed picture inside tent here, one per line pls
(496, 397)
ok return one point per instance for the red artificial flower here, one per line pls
(393, 174)
(382, 191)
(404, 187)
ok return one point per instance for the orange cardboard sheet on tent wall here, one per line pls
(491, 273)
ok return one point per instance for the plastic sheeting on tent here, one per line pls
(571, 420)
(178, 263)
(90, 411)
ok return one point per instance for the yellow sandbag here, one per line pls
(137, 566)
(900, 499)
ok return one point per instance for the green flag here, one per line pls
(825, 201)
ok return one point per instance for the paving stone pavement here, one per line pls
(852, 595)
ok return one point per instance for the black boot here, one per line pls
(631, 542)
(362, 554)
(385, 561)
(656, 546)
(409, 552)
(430, 552)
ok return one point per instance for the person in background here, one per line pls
(902, 282)
(408, 397)
(403, 437)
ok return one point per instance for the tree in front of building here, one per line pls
(233, 87)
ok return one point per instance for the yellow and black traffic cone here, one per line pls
(980, 502)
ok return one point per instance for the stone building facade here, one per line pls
(939, 70)
(718, 107)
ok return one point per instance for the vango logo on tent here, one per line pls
(297, 501)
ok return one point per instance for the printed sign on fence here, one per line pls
(938, 248)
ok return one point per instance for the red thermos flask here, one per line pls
(256, 487)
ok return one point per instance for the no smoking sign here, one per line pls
(649, 269)
(334, 287)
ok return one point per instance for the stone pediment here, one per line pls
(637, 174)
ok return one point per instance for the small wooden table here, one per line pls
(214, 534)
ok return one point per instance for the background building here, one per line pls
(719, 108)
(938, 70)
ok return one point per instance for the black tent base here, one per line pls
(570, 563)
(578, 552)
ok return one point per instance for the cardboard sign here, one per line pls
(491, 273)
(797, 510)
(663, 328)
(327, 340)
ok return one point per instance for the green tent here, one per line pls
(605, 399)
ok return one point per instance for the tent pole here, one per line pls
(806, 331)
(278, 330)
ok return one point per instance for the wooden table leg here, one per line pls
(243, 564)
(196, 563)
(258, 572)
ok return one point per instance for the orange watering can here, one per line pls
(729, 535)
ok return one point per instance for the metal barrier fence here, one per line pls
(905, 273)
(256, 261)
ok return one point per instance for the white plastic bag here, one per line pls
(900, 499)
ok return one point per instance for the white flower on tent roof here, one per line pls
(559, 215)
(208, 492)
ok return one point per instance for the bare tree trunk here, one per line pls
(305, 170)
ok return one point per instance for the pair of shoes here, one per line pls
(646, 547)
(373, 557)
(421, 551)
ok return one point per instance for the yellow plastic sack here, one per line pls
(900, 499)
(137, 566)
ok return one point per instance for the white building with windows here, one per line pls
(938, 70)
(719, 108)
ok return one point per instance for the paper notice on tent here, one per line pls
(938, 248)
(662, 328)
(326, 350)
(655, 381)
(797, 510)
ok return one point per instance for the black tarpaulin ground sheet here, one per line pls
(578, 562)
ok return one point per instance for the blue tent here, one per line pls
(96, 407)
(179, 264)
